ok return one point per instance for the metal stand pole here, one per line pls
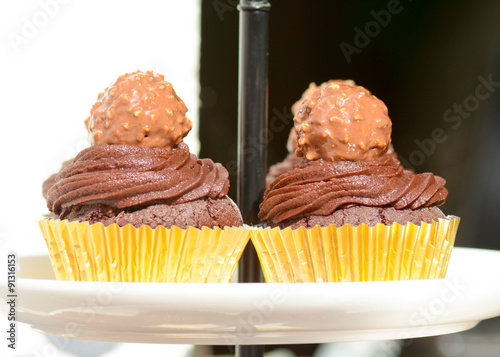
(252, 138)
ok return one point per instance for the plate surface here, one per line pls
(226, 314)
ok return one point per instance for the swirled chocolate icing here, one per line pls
(320, 187)
(125, 177)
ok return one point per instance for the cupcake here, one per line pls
(351, 211)
(292, 159)
(137, 205)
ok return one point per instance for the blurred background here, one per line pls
(435, 64)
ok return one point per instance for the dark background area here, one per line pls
(429, 57)
(425, 62)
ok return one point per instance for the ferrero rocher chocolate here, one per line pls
(291, 160)
(307, 93)
(139, 108)
(312, 89)
(341, 121)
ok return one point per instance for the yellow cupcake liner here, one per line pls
(362, 253)
(80, 251)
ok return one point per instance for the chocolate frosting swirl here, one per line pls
(320, 187)
(130, 177)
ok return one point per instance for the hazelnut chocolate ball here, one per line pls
(139, 108)
(342, 121)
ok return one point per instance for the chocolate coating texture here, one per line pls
(341, 121)
(305, 96)
(291, 160)
(139, 108)
(313, 88)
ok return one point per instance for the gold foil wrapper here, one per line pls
(92, 252)
(362, 253)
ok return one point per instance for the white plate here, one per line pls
(261, 313)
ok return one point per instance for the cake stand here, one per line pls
(259, 313)
(250, 314)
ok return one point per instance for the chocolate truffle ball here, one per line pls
(139, 108)
(342, 122)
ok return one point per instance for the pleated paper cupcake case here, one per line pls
(80, 251)
(330, 254)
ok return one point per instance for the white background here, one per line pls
(51, 80)
(55, 57)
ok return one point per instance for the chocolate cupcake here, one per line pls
(137, 205)
(351, 212)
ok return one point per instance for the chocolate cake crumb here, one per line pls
(355, 215)
(207, 212)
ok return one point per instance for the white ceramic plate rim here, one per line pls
(264, 313)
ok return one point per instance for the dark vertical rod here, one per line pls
(252, 133)
(252, 118)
